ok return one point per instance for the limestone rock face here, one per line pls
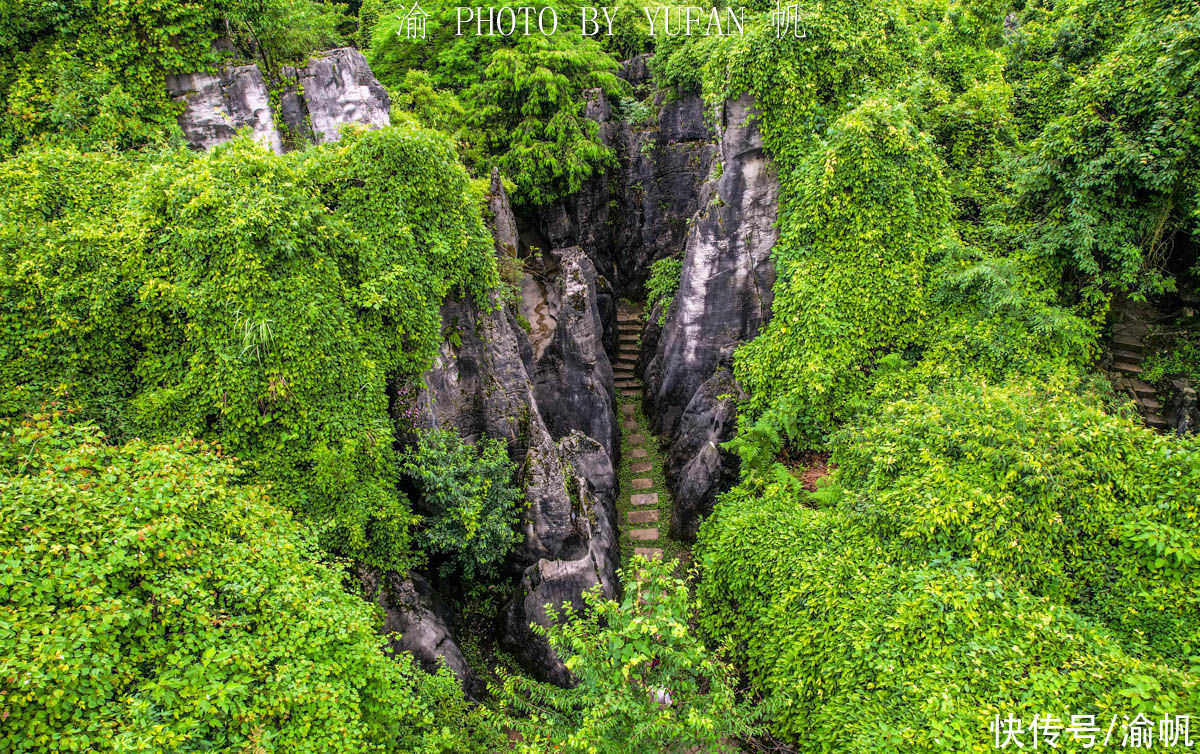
(1182, 407)
(724, 298)
(548, 393)
(412, 609)
(637, 212)
(218, 105)
(572, 375)
(589, 557)
(335, 88)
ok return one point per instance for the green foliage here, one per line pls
(150, 603)
(662, 285)
(987, 523)
(1044, 491)
(93, 72)
(646, 682)
(1179, 358)
(869, 206)
(522, 96)
(861, 654)
(470, 504)
(1111, 179)
(262, 301)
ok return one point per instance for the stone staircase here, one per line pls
(642, 522)
(1125, 367)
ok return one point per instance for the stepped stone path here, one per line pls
(1128, 349)
(643, 516)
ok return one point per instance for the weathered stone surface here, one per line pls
(485, 385)
(592, 485)
(572, 375)
(412, 609)
(217, 105)
(704, 468)
(627, 217)
(646, 498)
(335, 88)
(1182, 410)
(724, 298)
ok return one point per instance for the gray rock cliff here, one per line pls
(724, 298)
(548, 394)
(336, 87)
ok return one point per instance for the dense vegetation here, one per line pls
(966, 188)
(962, 198)
(150, 602)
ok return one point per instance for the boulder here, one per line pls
(218, 105)
(335, 88)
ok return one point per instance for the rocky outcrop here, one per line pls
(218, 105)
(637, 212)
(587, 557)
(572, 375)
(1182, 407)
(335, 88)
(703, 468)
(548, 394)
(724, 298)
(413, 613)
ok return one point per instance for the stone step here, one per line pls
(1151, 404)
(644, 535)
(643, 517)
(631, 393)
(636, 439)
(648, 552)
(1143, 388)
(631, 385)
(645, 498)
(627, 335)
(1157, 421)
(1127, 341)
(1121, 354)
(642, 483)
(629, 424)
(1127, 368)
(639, 453)
(628, 409)
(642, 468)
(625, 375)
(628, 316)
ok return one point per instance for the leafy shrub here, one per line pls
(861, 652)
(470, 504)
(523, 95)
(260, 300)
(1044, 491)
(646, 680)
(150, 603)
(1179, 358)
(1109, 181)
(851, 271)
(662, 285)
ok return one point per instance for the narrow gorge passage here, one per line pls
(644, 505)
